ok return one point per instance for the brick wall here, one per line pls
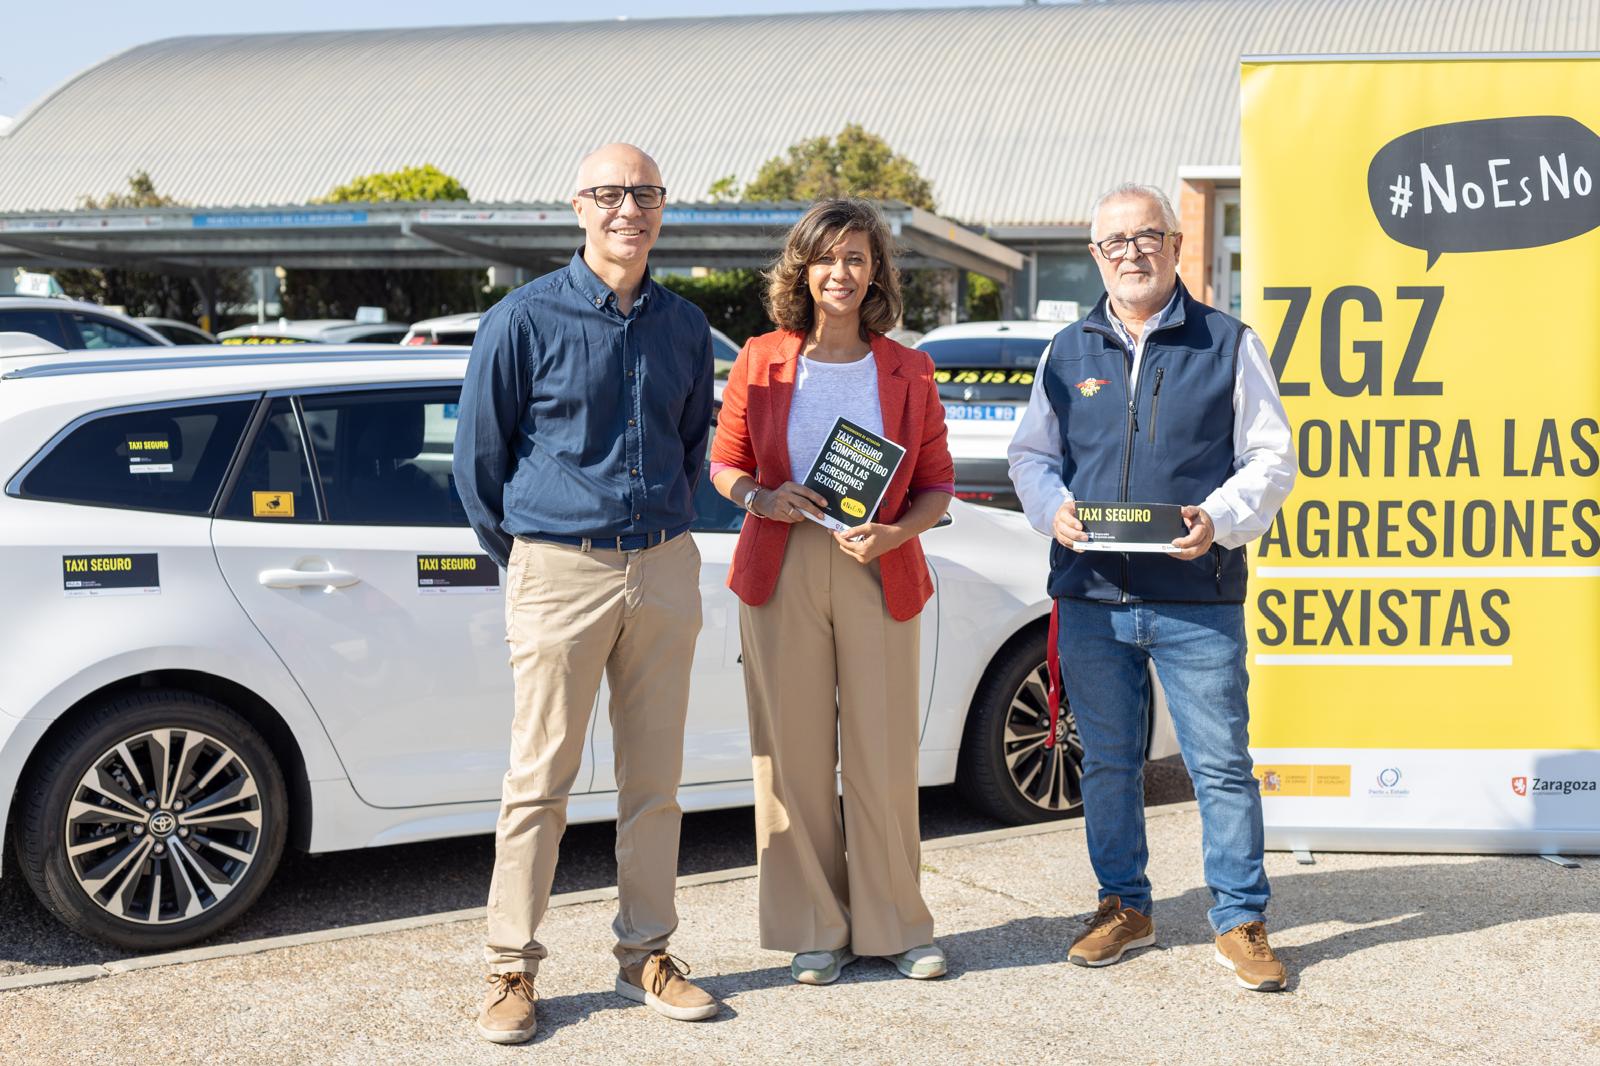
(1195, 203)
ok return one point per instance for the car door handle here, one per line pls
(307, 579)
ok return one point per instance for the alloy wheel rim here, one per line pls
(163, 826)
(1050, 779)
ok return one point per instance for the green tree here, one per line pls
(144, 292)
(855, 163)
(982, 303)
(407, 184)
(406, 295)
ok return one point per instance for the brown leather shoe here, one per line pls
(661, 982)
(1244, 950)
(508, 1015)
(1113, 929)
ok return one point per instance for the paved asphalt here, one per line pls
(353, 887)
(1394, 960)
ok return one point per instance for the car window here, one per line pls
(180, 334)
(384, 456)
(713, 512)
(161, 459)
(103, 333)
(274, 481)
(985, 369)
(45, 325)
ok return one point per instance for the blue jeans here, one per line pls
(1198, 650)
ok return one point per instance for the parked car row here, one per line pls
(252, 613)
(985, 369)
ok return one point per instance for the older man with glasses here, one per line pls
(584, 421)
(1155, 397)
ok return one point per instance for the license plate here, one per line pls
(979, 412)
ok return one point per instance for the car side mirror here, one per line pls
(944, 520)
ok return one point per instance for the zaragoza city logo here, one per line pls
(1090, 386)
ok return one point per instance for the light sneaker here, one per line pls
(820, 967)
(508, 1015)
(1113, 930)
(921, 964)
(1244, 950)
(661, 982)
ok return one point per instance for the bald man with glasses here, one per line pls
(584, 421)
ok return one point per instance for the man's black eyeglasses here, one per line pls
(610, 197)
(1147, 242)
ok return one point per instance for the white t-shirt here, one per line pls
(823, 393)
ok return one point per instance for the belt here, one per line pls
(630, 542)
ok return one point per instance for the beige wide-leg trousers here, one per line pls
(829, 673)
(571, 615)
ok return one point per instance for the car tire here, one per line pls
(1008, 721)
(152, 821)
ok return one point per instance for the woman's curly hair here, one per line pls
(788, 296)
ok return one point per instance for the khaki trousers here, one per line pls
(571, 614)
(829, 673)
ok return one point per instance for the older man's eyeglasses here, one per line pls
(1146, 242)
(610, 197)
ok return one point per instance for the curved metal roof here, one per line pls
(1018, 115)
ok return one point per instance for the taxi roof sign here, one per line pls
(1057, 311)
(29, 283)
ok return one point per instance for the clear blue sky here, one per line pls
(44, 44)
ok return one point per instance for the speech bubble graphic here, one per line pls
(1487, 185)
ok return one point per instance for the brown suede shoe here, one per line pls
(1113, 929)
(1244, 950)
(508, 1015)
(661, 983)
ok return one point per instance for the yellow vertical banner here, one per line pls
(1421, 253)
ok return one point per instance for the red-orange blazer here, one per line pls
(753, 435)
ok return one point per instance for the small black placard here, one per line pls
(110, 575)
(851, 472)
(457, 573)
(1131, 527)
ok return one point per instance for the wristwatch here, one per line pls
(749, 502)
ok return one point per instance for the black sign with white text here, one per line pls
(110, 575)
(852, 472)
(457, 573)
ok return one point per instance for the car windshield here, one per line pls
(996, 369)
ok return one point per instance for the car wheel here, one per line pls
(1004, 767)
(153, 821)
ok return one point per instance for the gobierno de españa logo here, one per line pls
(1488, 184)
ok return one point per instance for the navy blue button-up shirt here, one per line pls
(578, 420)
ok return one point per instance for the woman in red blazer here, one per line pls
(829, 621)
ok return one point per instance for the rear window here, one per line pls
(168, 459)
(985, 369)
(98, 333)
(45, 325)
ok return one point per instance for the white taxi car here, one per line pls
(985, 372)
(244, 609)
(462, 328)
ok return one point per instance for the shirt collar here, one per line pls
(1150, 326)
(598, 293)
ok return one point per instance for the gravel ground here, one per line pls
(312, 892)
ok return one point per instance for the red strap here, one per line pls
(1052, 658)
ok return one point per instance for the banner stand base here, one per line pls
(1561, 861)
(1420, 840)
(1304, 857)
